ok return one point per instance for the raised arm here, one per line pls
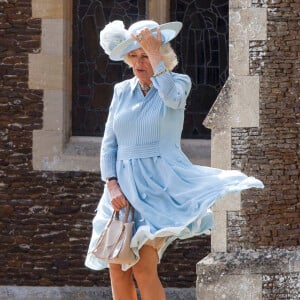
(173, 88)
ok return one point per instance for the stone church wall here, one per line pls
(45, 216)
(262, 254)
(271, 217)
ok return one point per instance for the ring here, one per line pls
(139, 37)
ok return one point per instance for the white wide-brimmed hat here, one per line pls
(117, 41)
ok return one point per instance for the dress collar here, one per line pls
(134, 83)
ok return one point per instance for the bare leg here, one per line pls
(122, 283)
(145, 273)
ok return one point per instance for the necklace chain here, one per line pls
(145, 88)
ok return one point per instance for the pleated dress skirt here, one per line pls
(172, 200)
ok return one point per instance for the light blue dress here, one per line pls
(141, 147)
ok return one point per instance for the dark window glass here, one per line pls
(202, 49)
(94, 75)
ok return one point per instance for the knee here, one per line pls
(143, 273)
(116, 273)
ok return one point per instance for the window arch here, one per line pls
(94, 75)
(202, 47)
(54, 146)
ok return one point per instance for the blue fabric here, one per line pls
(141, 146)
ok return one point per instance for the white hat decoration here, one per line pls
(117, 41)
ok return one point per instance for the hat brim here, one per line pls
(168, 32)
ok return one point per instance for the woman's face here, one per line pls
(140, 64)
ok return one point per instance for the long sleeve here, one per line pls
(109, 145)
(174, 93)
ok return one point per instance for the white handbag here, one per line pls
(113, 245)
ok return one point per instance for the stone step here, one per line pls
(78, 293)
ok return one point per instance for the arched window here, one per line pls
(202, 48)
(94, 75)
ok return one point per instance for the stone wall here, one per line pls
(261, 257)
(271, 217)
(264, 274)
(281, 286)
(45, 217)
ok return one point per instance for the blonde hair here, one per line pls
(168, 54)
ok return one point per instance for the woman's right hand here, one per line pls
(117, 198)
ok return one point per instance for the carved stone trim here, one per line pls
(54, 148)
(238, 102)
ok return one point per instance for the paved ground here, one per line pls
(77, 293)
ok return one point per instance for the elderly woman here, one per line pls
(141, 159)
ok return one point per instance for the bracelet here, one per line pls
(111, 178)
(160, 72)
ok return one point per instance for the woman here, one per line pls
(141, 159)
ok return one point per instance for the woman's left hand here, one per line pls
(117, 198)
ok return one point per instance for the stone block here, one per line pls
(46, 72)
(248, 274)
(230, 202)
(6, 211)
(49, 153)
(221, 148)
(47, 149)
(247, 24)
(239, 4)
(48, 9)
(53, 36)
(237, 105)
(218, 233)
(232, 287)
(53, 110)
(244, 101)
(239, 57)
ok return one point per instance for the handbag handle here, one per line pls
(128, 208)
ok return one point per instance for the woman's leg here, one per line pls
(122, 284)
(145, 273)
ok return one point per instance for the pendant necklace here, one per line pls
(145, 88)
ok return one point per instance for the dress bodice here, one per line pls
(141, 126)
